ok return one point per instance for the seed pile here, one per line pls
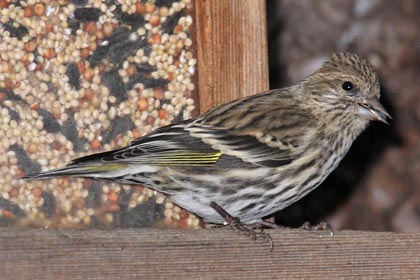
(82, 76)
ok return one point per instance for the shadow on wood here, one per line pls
(214, 253)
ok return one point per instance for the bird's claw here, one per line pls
(320, 226)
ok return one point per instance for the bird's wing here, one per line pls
(171, 145)
(189, 146)
(255, 148)
(268, 129)
(246, 131)
(266, 139)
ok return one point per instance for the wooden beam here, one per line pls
(231, 50)
(206, 254)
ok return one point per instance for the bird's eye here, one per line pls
(347, 86)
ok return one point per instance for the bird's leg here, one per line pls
(236, 224)
(320, 226)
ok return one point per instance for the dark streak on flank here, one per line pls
(314, 176)
(301, 168)
(278, 194)
(248, 207)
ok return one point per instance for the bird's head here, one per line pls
(347, 81)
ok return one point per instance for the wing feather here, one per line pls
(167, 146)
(262, 137)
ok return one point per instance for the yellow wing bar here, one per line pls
(183, 159)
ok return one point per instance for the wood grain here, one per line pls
(231, 50)
(217, 253)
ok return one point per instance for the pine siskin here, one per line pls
(253, 156)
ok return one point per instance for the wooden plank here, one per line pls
(231, 50)
(217, 253)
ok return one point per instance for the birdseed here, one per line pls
(83, 77)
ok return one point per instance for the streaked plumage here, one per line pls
(252, 156)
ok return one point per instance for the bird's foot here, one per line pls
(265, 224)
(236, 225)
(320, 226)
(307, 226)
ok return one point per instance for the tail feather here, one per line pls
(77, 170)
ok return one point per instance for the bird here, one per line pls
(249, 158)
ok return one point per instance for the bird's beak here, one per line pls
(372, 110)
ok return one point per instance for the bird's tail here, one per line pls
(79, 170)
